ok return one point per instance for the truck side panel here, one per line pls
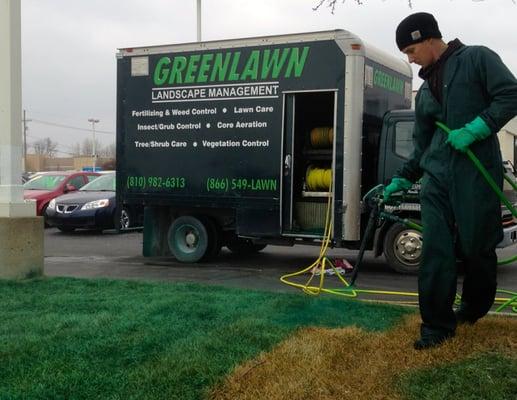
(204, 128)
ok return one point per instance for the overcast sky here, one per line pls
(69, 46)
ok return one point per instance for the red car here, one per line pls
(45, 186)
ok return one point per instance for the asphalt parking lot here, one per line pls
(118, 256)
(111, 255)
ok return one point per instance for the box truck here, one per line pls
(247, 142)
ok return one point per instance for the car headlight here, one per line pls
(52, 204)
(96, 204)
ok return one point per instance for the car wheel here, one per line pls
(188, 239)
(66, 229)
(403, 248)
(43, 214)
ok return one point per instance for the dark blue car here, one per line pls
(93, 207)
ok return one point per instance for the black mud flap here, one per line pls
(258, 222)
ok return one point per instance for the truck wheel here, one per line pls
(214, 238)
(244, 246)
(403, 248)
(188, 239)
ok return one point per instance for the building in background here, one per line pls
(36, 163)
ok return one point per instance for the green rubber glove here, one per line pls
(397, 184)
(462, 138)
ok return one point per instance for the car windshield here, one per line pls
(104, 182)
(44, 182)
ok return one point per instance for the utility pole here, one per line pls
(25, 128)
(199, 20)
(93, 122)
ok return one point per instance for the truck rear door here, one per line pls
(308, 160)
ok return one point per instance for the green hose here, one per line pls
(486, 175)
(511, 182)
(492, 184)
(507, 261)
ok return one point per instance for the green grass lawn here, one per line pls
(88, 339)
(491, 377)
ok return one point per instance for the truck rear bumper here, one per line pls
(510, 237)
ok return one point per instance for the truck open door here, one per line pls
(308, 161)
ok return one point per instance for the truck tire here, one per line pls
(403, 248)
(188, 239)
(244, 246)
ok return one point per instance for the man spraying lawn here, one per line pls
(470, 90)
(473, 92)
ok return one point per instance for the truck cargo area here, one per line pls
(311, 145)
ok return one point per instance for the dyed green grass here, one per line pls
(100, 339)
(485, 377)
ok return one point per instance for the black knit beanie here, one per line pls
(417, 28)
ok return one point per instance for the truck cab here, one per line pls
(402, 246)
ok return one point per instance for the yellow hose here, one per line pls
(322, 137)
(318, 179)
(322, 262)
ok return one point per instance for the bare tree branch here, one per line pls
(76, 150)
(332, 3)
(108, 151)
(87, 147)
(45, 147)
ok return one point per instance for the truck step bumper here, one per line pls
(510, 237)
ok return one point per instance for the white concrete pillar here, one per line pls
(11, 190)
(21, 232)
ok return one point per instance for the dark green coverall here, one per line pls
(454, 196)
